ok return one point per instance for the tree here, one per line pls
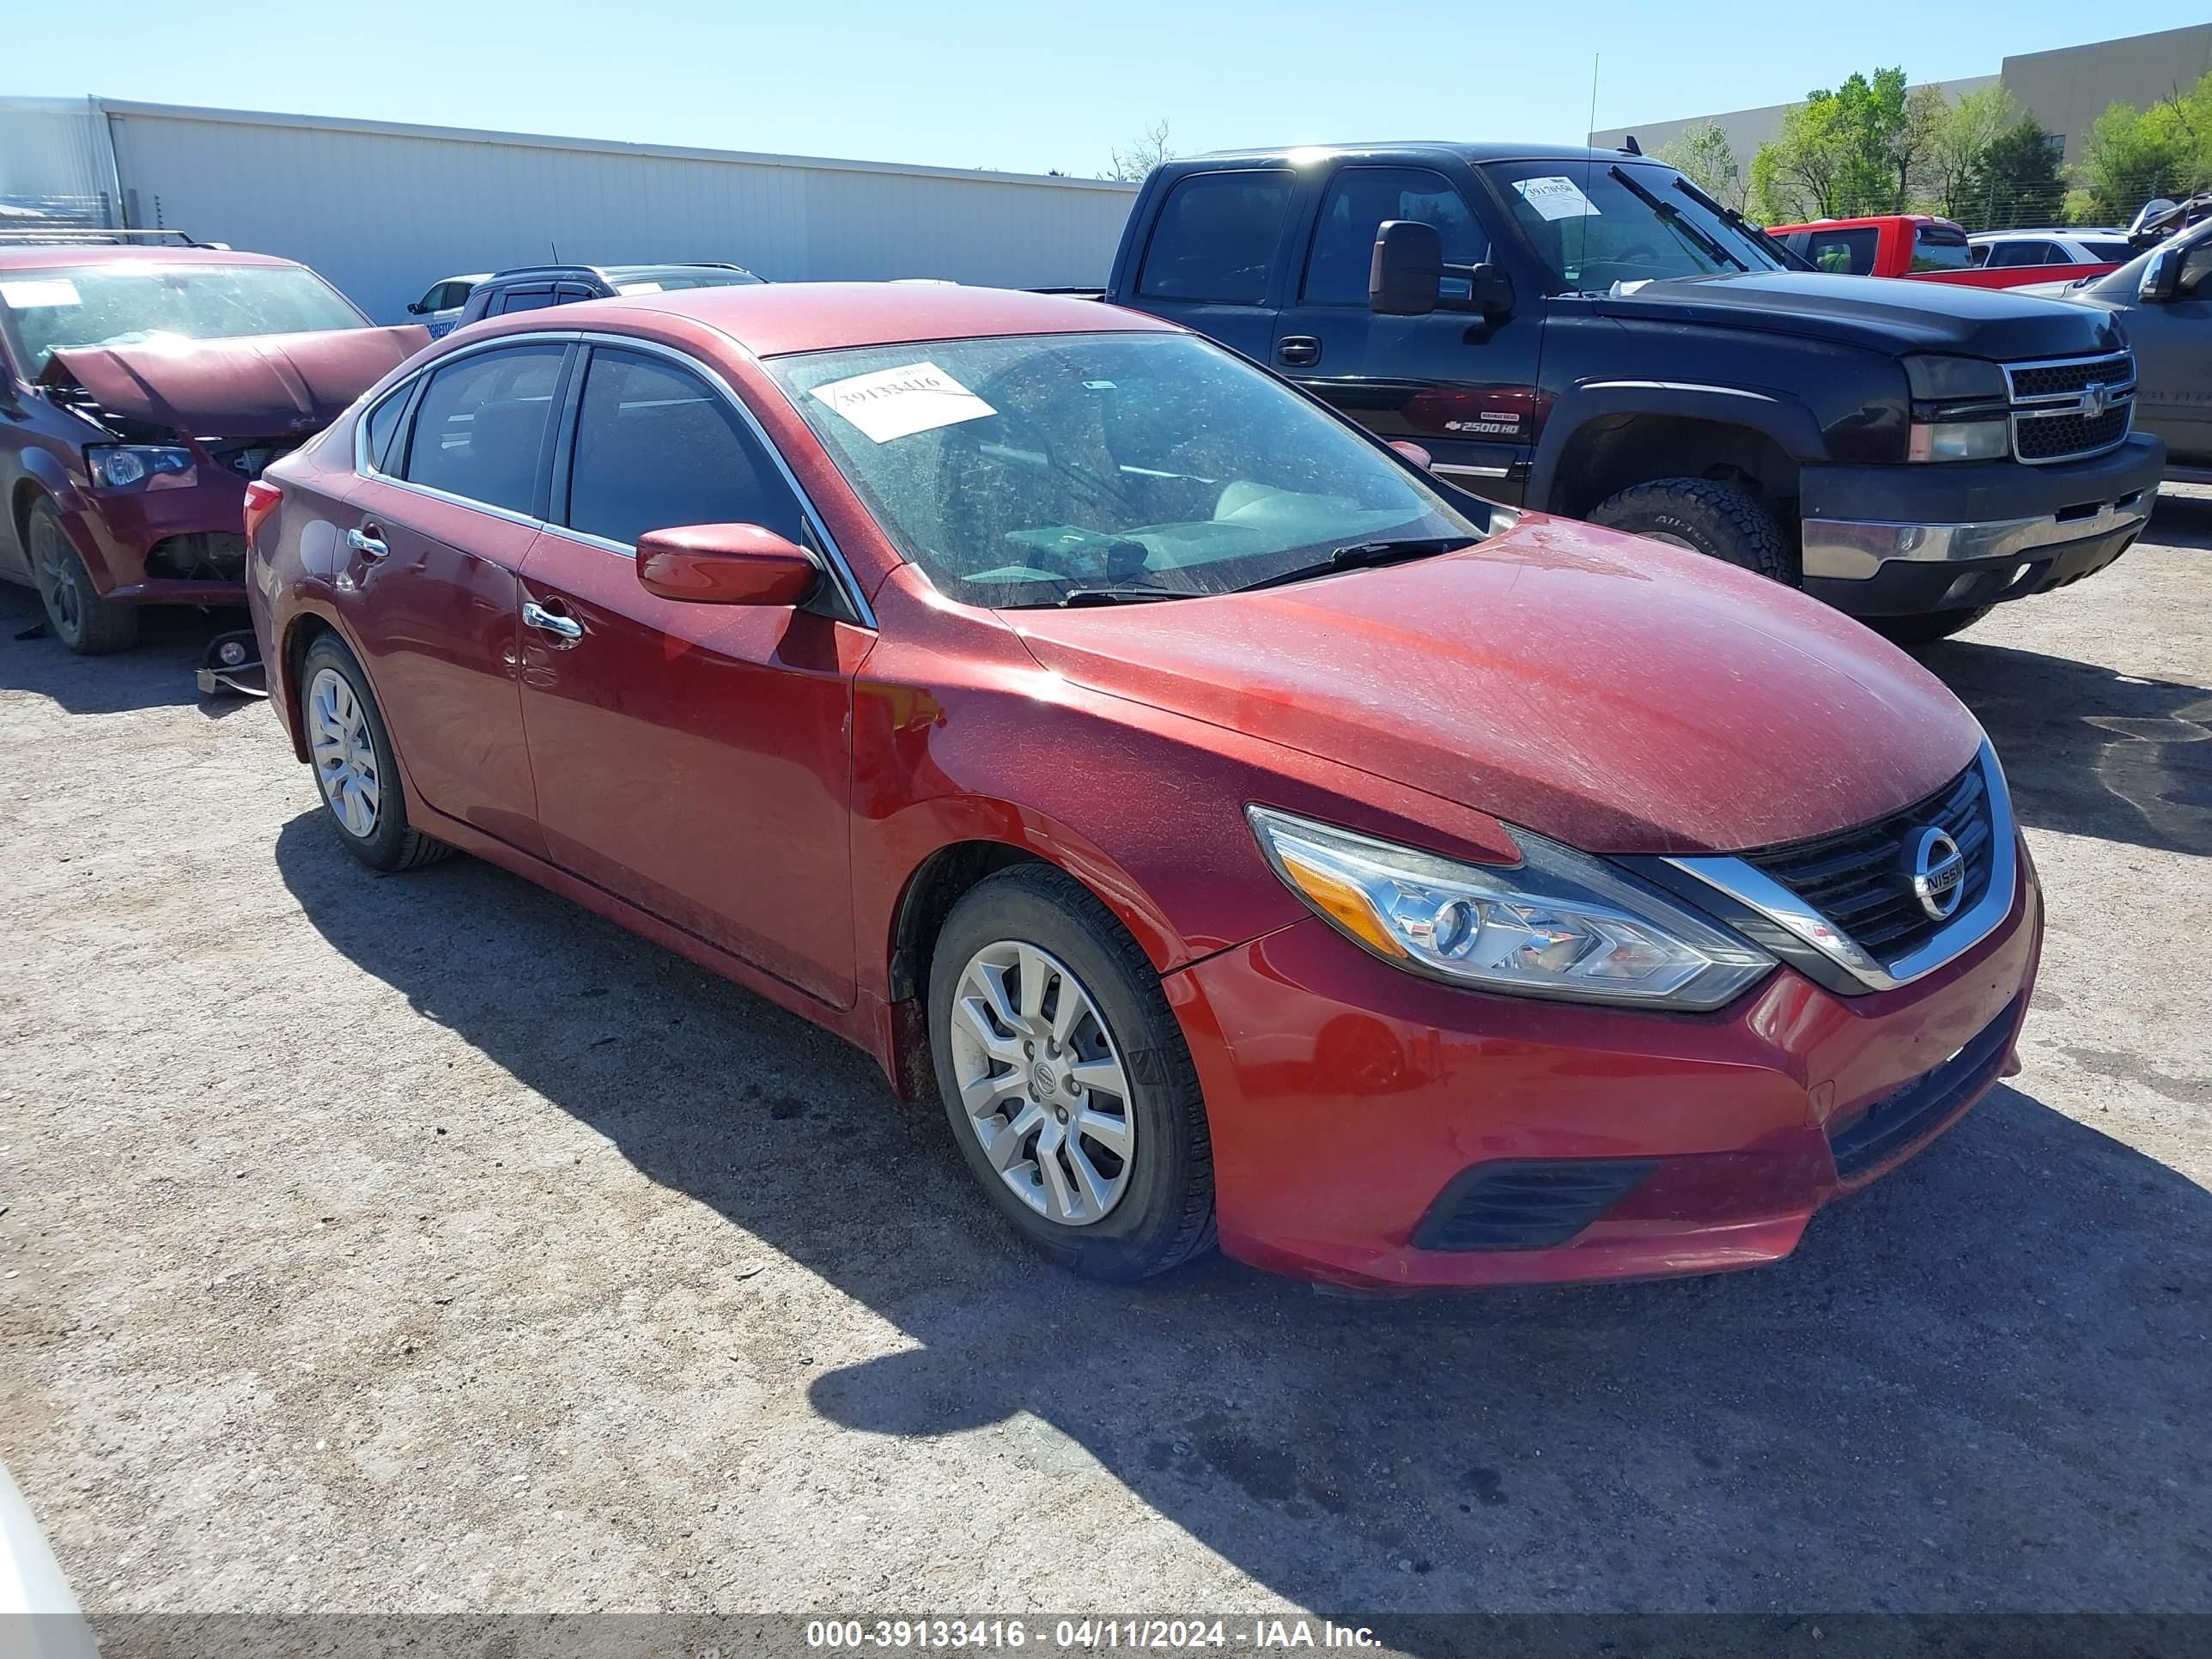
(1148, 150)
(1841, 153)
(1704, 156)
(2133, 155)
(2015, 180)
(1961, 142)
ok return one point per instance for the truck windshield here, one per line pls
(1604, 224)
(70, 308)
(1039, 470)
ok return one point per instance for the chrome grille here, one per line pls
(1857, 878)
(2072, 407)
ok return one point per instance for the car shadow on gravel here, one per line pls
(2088, 751)
(156, 673)
(1981, 1384)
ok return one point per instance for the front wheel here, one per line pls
(1066, 1080)
(1723, 522)
(1927, 628)
(81, 619)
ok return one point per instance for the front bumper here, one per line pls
(1906, 540)
(1354, 1108)
(134, 542)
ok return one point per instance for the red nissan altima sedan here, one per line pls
(1247, 834)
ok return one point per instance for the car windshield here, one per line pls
(70, 307)
(655, 279)
(1601, 223)
(1023, 470)
(2126, 284)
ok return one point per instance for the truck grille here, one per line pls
(1857, 878)
(2072, 407)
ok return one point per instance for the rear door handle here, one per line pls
(1298, 350)
(367, 542)
(535, 615)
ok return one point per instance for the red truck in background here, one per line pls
(1914, 244)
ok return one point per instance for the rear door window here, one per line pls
(1851, 253)
(522, 299)
(657, 447)
(1359, 200)
(2010, 254)
(480, 431)
(1217, 237)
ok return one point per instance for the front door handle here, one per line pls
(535, 615)
(367, 542)
(1298, 350)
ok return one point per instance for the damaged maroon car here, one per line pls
(142, 389)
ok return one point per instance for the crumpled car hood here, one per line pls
(1614, 693)
(263, 385)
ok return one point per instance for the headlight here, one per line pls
(1959, 441)
(120, 465)
(1558, 924)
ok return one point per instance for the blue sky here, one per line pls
(1024, 86)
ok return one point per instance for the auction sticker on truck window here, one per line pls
(896, 403)
(1555, 196)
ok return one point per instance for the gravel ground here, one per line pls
(423, 1243)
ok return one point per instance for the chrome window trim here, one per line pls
(839, 569)
(1748, 885)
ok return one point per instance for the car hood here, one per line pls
(1610, 692)
(264, 386)
(1883, 313)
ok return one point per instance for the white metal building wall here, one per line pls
(383, 210)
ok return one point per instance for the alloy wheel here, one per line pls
(1041, 1083)
(345, 754)
(51, 569)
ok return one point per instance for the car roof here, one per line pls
(48, 256)
(1385, 147)
(771, 318)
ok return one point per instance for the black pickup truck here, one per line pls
(1586, 332)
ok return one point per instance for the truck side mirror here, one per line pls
(1406, 275)
(1408, 270)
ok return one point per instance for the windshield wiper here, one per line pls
(1077, 597)
(1675, 220)
(1358, 555)
(1749, 228)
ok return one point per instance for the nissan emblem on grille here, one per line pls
(1936, 869)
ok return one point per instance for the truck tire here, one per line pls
(1927, 629)
(76, 614)
(1721, 520)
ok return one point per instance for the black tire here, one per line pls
(391, 843)
(1721, 520)
(1927, 628)
(1165, 1215)
(76, 613)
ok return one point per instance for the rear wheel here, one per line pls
(1723, 522)
(1066, 1080)
(353, 764)
(79, 618)
(1927, 629)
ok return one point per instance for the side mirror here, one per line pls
(416, 308)
(1412, 451)
(2161, 277)
(725, 564)
(1407, 273)
(1408, 270)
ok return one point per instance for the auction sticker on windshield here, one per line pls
(897, 403)
(46, 291)
(1555, 196)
